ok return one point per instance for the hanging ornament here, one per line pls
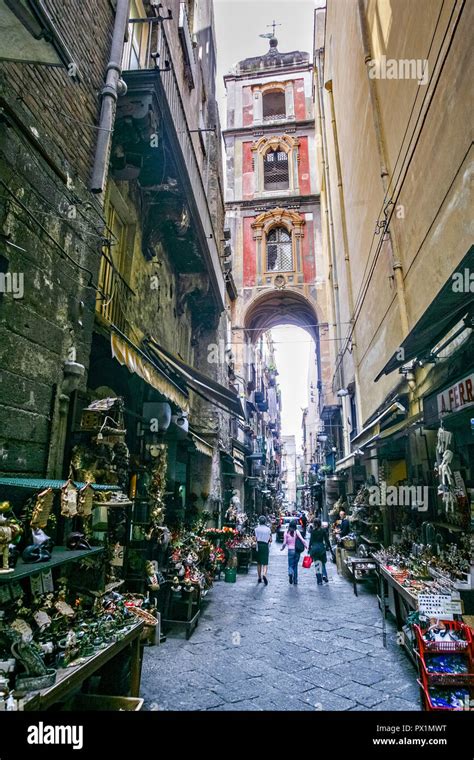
(69, 499)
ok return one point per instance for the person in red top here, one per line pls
(296, 544)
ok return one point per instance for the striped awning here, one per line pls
(140, 365)
(202, 446)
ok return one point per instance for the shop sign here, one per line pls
(439, 606)
(457, 397)
(238, 455)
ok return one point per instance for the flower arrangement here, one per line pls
(217, 556)
(221, 532)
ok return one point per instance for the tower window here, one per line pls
(274, 105)
(279, 252)
(275, 170)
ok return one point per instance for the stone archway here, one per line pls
(282, 306)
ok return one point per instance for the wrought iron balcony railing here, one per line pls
(113, 302)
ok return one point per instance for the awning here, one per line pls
(372, 431)
(454, 302)
(198, 382)
(345, 463)
(202, 446)
(138, 363)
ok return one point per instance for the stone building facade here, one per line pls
(51, 233)
(125, 282)
(390, 90)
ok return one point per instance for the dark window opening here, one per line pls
(279, 253)
(274, 105)
(275, 170)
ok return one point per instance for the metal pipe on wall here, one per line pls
(112, 89)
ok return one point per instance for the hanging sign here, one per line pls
(457, 397)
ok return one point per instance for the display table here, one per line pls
(69, 680)
(355, 566)
(183, 611)
(244, 558)
(401, 598)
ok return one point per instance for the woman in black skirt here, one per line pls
(318, 543)
(263, 535)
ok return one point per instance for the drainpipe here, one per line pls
(114, 86)
(384, 168)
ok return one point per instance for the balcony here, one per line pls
(113, 302)
(153, 144)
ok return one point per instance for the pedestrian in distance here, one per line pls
(296, 545)
(304, 524)
(263, 534)
(318, 543)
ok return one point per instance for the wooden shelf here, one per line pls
(448, 526)
(60, 555)
(39, 484)
(370, 540)
(70, 679)
(113, 503)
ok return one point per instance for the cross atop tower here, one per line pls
(273, 24)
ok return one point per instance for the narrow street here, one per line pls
(282, 648)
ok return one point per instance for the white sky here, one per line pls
(293, 349)
(238, 24)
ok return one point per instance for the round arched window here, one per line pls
(279, 252)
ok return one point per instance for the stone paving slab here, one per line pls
(282, 648)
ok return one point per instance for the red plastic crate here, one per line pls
(446, 679)
(440, 647)
(430, 707)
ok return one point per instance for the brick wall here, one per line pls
(51, 236)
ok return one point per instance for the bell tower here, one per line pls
(272, 200)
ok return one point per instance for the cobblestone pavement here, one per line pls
(282, 648)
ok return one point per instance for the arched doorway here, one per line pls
(289, 325)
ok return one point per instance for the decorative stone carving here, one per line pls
(268, 219)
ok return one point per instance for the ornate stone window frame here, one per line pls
(261, 147)
(264, 223)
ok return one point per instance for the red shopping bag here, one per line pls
(307, 561)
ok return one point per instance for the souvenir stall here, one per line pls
(62, 623)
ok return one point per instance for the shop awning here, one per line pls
(202, 446)
(454, 302)
(345, 463)
(198, 382)
(136, 361)
(372, 430)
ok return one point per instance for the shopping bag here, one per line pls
(307, 561)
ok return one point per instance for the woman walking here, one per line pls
(263, 534)
(318, 543)
(296, 544)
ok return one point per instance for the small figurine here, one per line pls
(152, 578)
(9, 530)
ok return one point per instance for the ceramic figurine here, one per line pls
(9, 530)
(152, 578)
